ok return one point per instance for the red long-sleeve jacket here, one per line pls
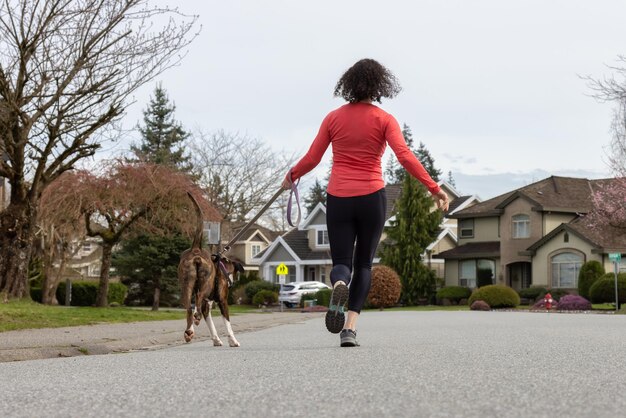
(359, 133)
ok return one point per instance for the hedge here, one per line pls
(322, 297)
(265, 297)
(454, 293)
(589, 273)
(253, 287)
(532, 292)
(603, 290)
(496, 296)
(84, 293)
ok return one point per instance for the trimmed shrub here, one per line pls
(265, 297)
(532, 293)
(386, 287)
(253, 287)
(589, 273)
(603, 290)
(322, 297)
(454, 293)
(480, 305)
(574, 303)
(84, 293)
(496, 296)
(419, 287)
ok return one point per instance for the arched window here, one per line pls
(565, 268)
(521, 226)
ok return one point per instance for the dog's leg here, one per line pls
(206, 311)
(232, 341)
(186, 299)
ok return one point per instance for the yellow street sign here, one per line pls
(282, 270)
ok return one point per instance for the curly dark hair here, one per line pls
(367, 79)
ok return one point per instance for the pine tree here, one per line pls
(316, 194)
(162, 137)
(428, 161)
(414, 228)
(156, 257)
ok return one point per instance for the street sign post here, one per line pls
(616, 258)
(281, 271)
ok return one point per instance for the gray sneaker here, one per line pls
(335, 317)
(348, 338)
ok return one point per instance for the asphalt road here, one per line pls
(410, 364)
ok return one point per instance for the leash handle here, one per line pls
(293, 192)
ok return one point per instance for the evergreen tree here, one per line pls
(316, 194)
(148, 265)
(162, 137)
(428, 161)
(414, 228)
(156, 257)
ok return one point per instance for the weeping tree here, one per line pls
(68, 69)
(127, 199)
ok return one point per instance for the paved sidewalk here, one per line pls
(34, 344)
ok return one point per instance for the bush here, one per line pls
(253, 287)
(496, 296)
(84, 293)
(322, 297)
(36, 294)
(532, 293)
(454, 293)
(265, 297)
(480, 305)
(589, 273)
(603, 290)
(574, 303)
(386, 287)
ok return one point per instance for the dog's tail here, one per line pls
(197, 237)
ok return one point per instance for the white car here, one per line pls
(291, 293)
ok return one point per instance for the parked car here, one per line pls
(291, 293)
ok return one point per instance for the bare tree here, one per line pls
(240, 173)
(67, 70)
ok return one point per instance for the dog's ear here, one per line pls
(238, 267)
(215, 258)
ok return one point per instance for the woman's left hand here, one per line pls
(442, 200)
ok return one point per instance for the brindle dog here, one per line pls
(205, 277)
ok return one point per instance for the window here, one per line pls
(466, 228)
(521, 226)
(322, 237)
(565, 268)
(474, 272)
(323, 274)
(256, 249)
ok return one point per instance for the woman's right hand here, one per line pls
(287, 182)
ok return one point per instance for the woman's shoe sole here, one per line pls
(335, 317)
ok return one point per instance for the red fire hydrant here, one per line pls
(548, 301)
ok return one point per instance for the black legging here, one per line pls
(359, 218)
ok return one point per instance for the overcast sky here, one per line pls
(491, 87)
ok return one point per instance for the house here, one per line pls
(531, 236)
(306, 252)
(254, 240)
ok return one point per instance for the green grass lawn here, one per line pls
(23, 315)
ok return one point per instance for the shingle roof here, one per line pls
(457, 202)
(564, 194)
(472, 250)
(230, 230)
(299, 243)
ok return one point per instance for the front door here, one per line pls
(520, 275)
(311, 273)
